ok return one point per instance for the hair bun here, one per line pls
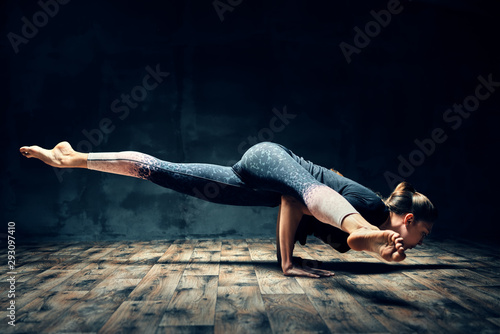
(404, 186)
(404, 199)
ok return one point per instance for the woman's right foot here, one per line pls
(61, 156)
(388, 244)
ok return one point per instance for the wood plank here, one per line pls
(40, 283)
(319, 251)
(80, 282)
(272, 281)
(235, 256)
(495, 321)
(293, 314)
(135, 317)
(145, 256)
(193, 303)
(324, 255)
(391, 305)
(237, 275)
(492, 271)
(95, 253)
(447, 287)
(203, 262)
(73, 263)
(468, 277)
(208, 245)
(410, 305)
(230, 244)
(148, 253)
(87, 277)
(469, 249)
(185, 330)
(262, 251)
(428, 311)
(95, 308)
(470, 298)
(240, 309)
(341, 312)
(25, 275)
(159, 283)
(130, 271)
(392, 281)
(121, 254)
(177, 253)
(41, 262)
(235, 251)
(45, 308)
(300, 251)
(100, 268)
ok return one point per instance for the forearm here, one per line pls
(290, 214)
(278, 252)
(289, 219)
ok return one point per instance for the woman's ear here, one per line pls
(408, 219)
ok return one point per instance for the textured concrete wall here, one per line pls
(355, 102)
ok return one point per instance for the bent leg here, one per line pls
(269, 166)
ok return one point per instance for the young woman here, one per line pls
(311, 199)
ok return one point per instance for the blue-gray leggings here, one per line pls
(265, 172)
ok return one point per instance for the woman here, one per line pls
(312, 199)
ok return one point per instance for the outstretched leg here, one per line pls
(213, 183)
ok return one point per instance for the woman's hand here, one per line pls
(305, 271)
(290, 213)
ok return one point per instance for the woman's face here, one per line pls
(413, 232)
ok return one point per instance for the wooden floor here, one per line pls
(235, 286)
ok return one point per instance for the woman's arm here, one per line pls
(289, 216)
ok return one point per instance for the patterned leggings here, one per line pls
(265, 172)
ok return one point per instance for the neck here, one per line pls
(387, 224)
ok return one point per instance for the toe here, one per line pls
(25, 150)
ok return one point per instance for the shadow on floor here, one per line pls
(358, 268)
(365, 268)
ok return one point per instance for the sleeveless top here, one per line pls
(364, 200)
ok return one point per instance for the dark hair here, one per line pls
(404, 199)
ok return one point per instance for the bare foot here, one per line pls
(61, 156)
(388, 244)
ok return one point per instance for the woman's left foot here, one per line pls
(61, 156)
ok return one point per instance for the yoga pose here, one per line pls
(311, 198)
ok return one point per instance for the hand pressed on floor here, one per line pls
(300, 268)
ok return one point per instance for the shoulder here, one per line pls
(368, 203)
(350, 188)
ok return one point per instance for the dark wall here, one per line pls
(225, 69)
